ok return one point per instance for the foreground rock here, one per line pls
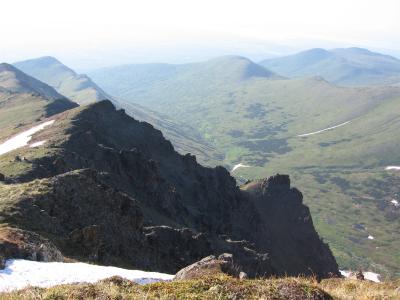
(210, 266)
(111, 190)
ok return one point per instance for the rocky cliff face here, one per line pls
(112, 190)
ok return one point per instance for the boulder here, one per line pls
(211, 265)
(360, 275)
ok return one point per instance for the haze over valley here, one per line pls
(334, 140)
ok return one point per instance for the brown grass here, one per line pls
(347, 289)
(218, 287)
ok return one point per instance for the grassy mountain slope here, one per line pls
(142, 78)
(16, 81)
(348, 67)
(24, 100)
(257, 120)
(77, 87)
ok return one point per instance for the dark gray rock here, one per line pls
(208, 266)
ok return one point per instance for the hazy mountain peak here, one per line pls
(343, 66)
(16, 81)
(236, 68)
(356, 50)
(315, 51)
(78, 87)
(44, 60)
(6, 67)
(231, 58)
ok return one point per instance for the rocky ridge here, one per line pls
(112, 190)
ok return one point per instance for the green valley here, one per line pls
(255, 117)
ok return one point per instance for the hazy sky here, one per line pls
(114, 31)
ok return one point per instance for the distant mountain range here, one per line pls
(145, 77)
(347, 66)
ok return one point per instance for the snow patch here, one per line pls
(37, 144)
(21, 273)
(372, 276)
(370, 237)
(395, 202)
(22, 139)
(345, 273)
(326, 129)
(395, 168)
(235, 167)
(367, 275)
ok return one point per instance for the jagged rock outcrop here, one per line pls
(114, 191)
(286, 227)
(16, 243)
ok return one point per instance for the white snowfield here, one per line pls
(235, 167)
(323, 130)
(395, 168)
(370, 237)
(367, 275)
(22, 139)
(20, 273)
(395, 202)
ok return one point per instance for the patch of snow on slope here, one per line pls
(37, 144)
(326, 129)
(345, 273)
(22, 139)
(235, 167)
(21, 273)
(395, 202)
(372, 276)
(396, 168)
(370, 237)
(367, 275)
